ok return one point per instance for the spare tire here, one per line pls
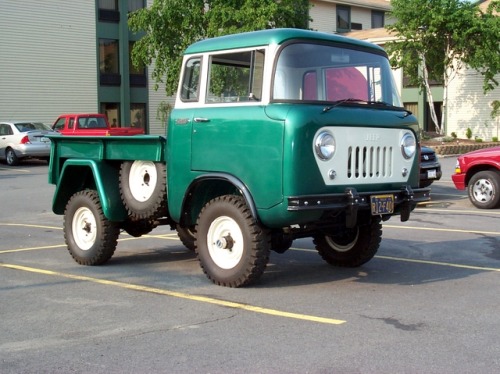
(143, 189)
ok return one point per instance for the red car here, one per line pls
(93, 124)
(479, 172)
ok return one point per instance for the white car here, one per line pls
(24, 139)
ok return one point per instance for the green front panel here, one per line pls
(302, 175)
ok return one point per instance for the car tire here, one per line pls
(351, 247)
(143, 189)
(138, 228)
(484, 189)
(187, 235)
(11, 157)
(233, 249)
(91, 238)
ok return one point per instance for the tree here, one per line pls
(170, 26)
(437, 38)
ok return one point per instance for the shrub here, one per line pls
(454, 135)
(494, 139)
(468, 133)
(478, 140)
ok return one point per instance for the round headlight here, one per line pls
(324, 145)
(408, 145)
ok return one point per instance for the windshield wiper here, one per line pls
(366, 102)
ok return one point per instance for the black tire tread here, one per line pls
(259, 246)
(106, 242)
(156, 206)
(357, 256)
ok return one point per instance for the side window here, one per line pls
(4, 129)
(71, 123)
(236, 77)
(82, 123)
(191, 80)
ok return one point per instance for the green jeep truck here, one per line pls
(275, 135)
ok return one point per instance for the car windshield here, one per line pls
(325, 73)
(31, 126)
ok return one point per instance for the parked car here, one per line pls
(24, 139)
(430, 168)
(479, 172)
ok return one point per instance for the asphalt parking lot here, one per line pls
(427, 303)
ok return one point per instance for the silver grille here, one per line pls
(370, 162)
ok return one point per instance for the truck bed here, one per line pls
(103, 148)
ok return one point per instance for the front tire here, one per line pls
(351, 247)
(90, 237)
(143, 188)
(484, 189)
(233, 249)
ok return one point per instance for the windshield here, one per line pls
(325, 73)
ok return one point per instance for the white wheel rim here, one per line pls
(142, 180)
(225, 242)
(483, 190)
(84, 228)
(342, 248)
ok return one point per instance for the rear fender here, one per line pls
(77, 175)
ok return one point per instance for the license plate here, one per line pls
(382, 204)
(431, 174)
(44, 139)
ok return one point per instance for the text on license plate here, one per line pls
(431, 174)
(382, 204)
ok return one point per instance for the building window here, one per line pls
(109, 66)
(112, 112)
(137, 74)
(343, 18)
(378, 19)
(138, 116)
(108, 11)
(134, 5)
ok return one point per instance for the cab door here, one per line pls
(231, 132)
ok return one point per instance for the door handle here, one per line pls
(201, 119)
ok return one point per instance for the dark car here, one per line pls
(479, 172)
(430, 168)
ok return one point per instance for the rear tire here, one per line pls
(187, 235)
(484, 189)
(91, 238)
(11, 157)
(232, 248)
(138, 228)
(352, 247)
(143, 188)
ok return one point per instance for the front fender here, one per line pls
(77, 175)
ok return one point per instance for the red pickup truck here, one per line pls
(90, 125)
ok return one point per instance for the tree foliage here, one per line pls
(439, 37)
(170, 26)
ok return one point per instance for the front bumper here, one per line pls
(351, 201)
(459, 181)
